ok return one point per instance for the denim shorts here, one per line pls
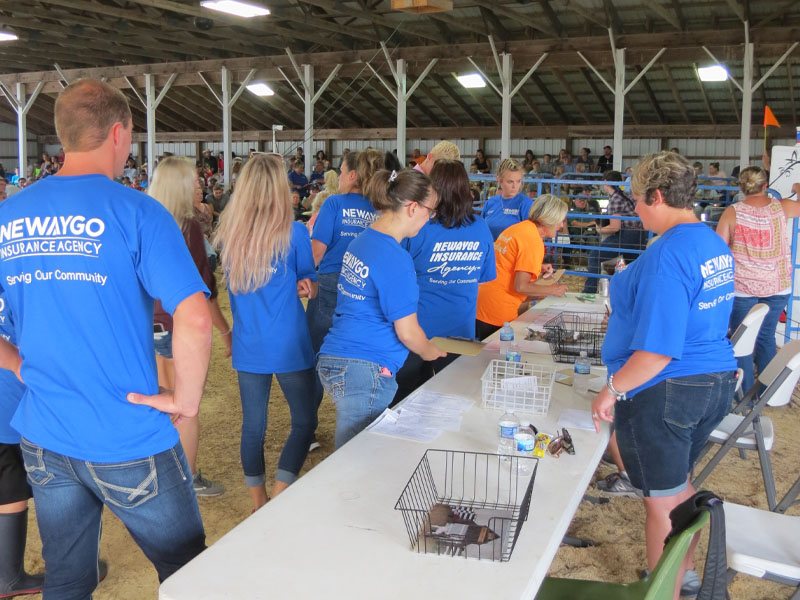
(163, 343)
(662, 430)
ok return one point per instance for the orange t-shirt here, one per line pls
(518, 248)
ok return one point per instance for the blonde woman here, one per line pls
(175, 185)
(510, 206)
(519, 256)
(268, 264)
(758, 235)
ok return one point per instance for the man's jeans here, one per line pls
(152, 496)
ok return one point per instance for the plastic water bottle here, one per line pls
(620, 266)
(508, 427)
(506, 341)
(581, 375)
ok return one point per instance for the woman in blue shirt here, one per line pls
(510, 206)
(376, 311)
(670, 364)
(339, 221)
(452, 254)
(267, 261)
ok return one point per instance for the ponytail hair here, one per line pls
(367, 163)
(390, 190)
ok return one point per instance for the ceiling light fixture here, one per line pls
(260, 89)
(7, 36)
(713, 73)
(471, 80)
(234, 7)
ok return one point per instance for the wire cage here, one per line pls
(467, 504)
(571, 333)
(517, 386)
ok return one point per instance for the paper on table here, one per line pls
(523, 383)
(443, 401)
(583, 307)
(533, 347)
(456, 346)
(390, 423)
(578, 419)
(564, 376)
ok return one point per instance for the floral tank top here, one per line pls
(760, 248)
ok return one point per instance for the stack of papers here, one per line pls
(422, 417)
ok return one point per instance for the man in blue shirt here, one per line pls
(81, 260)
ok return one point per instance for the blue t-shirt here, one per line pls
(11, 390)
(299, 180)
(81, 259)
(340, 220)
(450, 263)
(270, 333)
(675, 300)
(377, 287)
(501, 213)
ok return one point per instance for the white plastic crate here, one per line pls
(518, 386)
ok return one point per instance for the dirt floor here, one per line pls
(617, 528)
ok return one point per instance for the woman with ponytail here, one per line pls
(375, 324)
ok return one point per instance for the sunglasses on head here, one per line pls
(561, 443)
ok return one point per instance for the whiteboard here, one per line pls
(785, 170)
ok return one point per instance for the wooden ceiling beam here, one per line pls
(550, 98)
(597, 93)
(791, 89)
(257, 24)
(562, 54)
(571, 93)
(711, 116)
(651, 96)
(458, 100)
(676, 95)
(431, 95)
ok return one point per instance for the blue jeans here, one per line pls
(300, 390)
(152, 496)
(319, 312)
(625, 238)
(359, 390)
(662, 429)
(766, 348)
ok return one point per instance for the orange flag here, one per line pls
(769, 118)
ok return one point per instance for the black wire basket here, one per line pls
(571, 333)
(467, 504)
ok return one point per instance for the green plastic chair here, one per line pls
(659, 586)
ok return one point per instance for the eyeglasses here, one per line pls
(561, 443)
(431, 211)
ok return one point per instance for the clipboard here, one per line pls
(557, 275)
(458, 346)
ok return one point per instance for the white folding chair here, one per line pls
(764, 544)
(744, 338)
(751, 431)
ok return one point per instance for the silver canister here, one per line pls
(602, 287)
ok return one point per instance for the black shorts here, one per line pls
(13, 480)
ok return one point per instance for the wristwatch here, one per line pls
(619, 396)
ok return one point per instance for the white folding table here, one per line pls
(335, 532)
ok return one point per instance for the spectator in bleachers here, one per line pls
(481, 163)
(527, 162)
(615, 233)
(605, 162)
(317, 178)
(298, 182)
(547, 165)
(130, 170)
(585, 158)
